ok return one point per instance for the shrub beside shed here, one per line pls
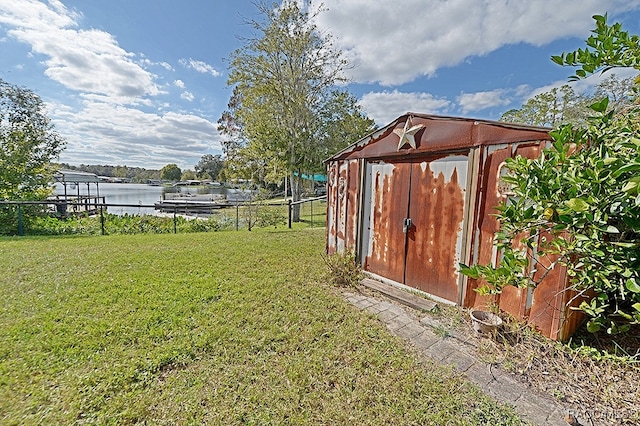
(417, 197)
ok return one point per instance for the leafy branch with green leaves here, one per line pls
(608, 47)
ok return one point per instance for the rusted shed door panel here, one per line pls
(436, 209)
(431, 193)
(384, 240)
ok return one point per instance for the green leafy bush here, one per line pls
(578, 205)
(272, 216)
(126, 224)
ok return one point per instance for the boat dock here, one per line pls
(192, 203)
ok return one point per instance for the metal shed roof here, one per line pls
(72, 176)
(436, 133)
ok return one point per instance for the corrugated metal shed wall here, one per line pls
(413, 213)
(342, 211)
(546, 305)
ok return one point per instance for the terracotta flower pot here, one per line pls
(485, 322)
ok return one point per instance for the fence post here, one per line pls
(101, 220)
(20, 222)
(237, 215)
(311, 205)
(290, 213)
(175, 226)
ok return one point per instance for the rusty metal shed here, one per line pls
(417, 197)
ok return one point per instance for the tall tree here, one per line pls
(171, 172)
(28, 144)
(622, 93)
(558, 105)
(209, 166)
(284, 78)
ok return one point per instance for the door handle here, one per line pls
(406, 225)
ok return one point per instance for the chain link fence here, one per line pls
(94, 217)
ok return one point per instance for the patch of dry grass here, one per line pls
(597, 377)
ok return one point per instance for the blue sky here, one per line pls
(143, 82)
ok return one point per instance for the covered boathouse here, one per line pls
(76, 197)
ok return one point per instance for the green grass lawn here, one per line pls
(213, 328)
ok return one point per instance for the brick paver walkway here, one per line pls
(501, 385)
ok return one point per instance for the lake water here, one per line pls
(135, 193)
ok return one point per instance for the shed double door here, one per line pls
(414, 215)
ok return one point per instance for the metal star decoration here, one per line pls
(407, 134)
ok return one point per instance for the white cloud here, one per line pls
(115, 132)
(200, 66)
(188, 96)
(89, 61)
(149, 63)
(115, 122)
(31, 14)
(166, 66)
(470, 102)
(384, 107)
(412, 38)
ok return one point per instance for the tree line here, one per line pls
(562, 105)
(208, 168)
(134, 174)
